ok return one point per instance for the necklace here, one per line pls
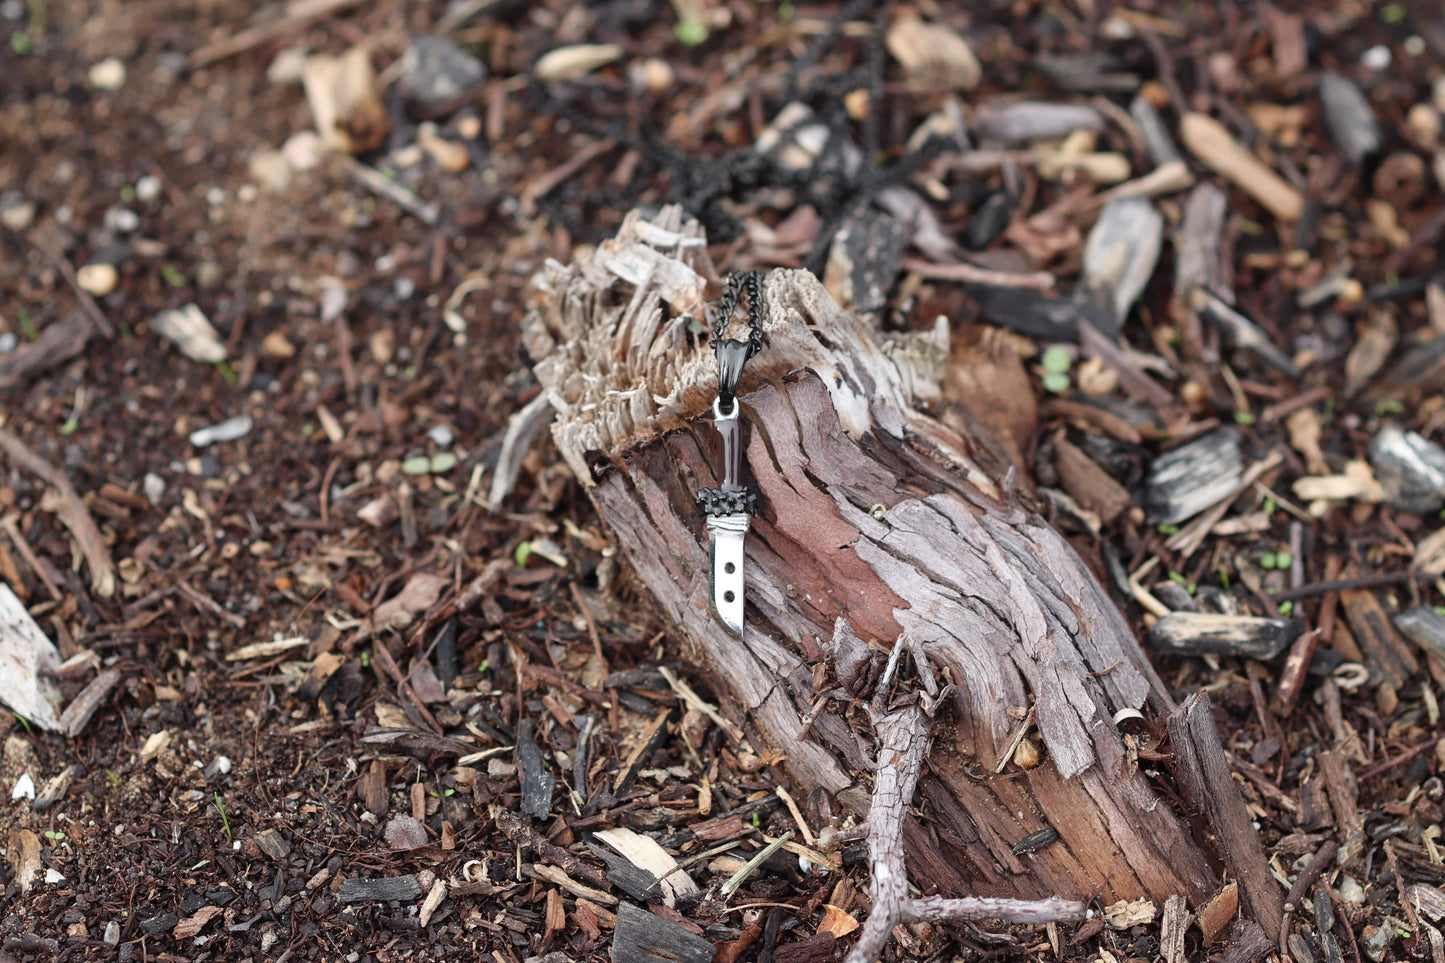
(730, 507)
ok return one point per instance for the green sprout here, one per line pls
(1245, 418)
(1164, 528)
(1286, 608)
(173, 276)
(225, 822)
(690, 33)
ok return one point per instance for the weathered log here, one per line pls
(876, 524)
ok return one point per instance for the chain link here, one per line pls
(751, 283)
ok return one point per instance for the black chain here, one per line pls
(750, 282)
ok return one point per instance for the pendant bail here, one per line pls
(731, 356)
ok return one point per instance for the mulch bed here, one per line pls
(353, 707)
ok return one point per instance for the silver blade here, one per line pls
(727, 533)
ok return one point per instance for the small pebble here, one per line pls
(270, 169)
(97, 280)
(228, 430)
(148, 188)
(122, 220)
(112, 933)
(442, 435)
(19, 216)
(208, 275)
(1424, 123)
(288, 67)
(109, 74)
(1376, 58)
(276, 345)
(8, 342)
(449, 155)
(1437, 93)
(54, 876)
(404, 287)
(12, 10)
(24, 788)
(154, 487)
(303, 150)
(216, 196)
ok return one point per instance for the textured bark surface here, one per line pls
(875, 523)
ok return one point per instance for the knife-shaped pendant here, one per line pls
(729, 509)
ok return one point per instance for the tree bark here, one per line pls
(876, 525)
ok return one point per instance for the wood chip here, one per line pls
(932, 54)
(1216, 915)
(379, 890)
(264, 650)
(27, 658)
(642, 937)
(78, 714)
(345, 101)
(191, 926)
(1209, 140)
(645, 853)
(1386, 655)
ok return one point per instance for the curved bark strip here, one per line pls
(875, 522)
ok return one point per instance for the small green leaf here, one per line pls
(70, 425)
(1284, 559)
(691, 32)
(127, 194)
(227, 375)
(173, 276)
(1388, 406)
(1056, 359)
(1178, 578)
(1269, 506)
(1392, 13)
(115, 780)
(366, 659)
(1286, 608)
(21, 43)
(757, 821)
(486, 664)
(1055, 383)
(1245, 418)
(1165, 528)
(1269, 560)
(55, 835)
(523, 552)
(1224, 576)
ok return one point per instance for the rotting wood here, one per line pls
(876, 523)
(1203, 772)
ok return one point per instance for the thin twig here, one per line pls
(72, 512)
(969, 274)
(1381, 580)
(372, 180)
(87, 303)
(298, 15)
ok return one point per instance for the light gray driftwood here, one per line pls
(875, 519)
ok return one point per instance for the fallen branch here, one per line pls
(902, 742)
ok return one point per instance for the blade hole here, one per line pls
(729, 596)
(730, 568)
